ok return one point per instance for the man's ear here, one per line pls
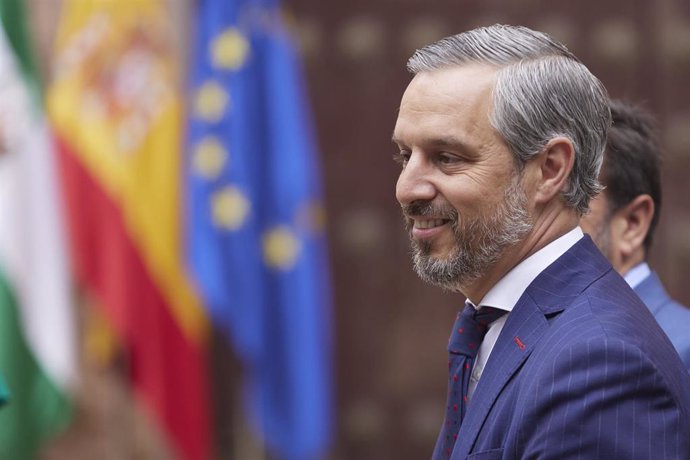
(555, 162)
(632, 224)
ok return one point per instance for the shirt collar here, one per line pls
(508, 290)
(637, 274)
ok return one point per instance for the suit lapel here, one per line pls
(523, 329)
(548, 295)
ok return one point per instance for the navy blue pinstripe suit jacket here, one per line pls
(581, 370)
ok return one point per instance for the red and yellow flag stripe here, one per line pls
(116, 107)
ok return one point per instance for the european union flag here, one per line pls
(256, 243)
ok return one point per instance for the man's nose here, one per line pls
(415, 181)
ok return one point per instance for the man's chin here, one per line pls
(435, 250)
(440, 270)
(445, 280)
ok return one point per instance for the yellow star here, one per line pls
(230, 49)
(211, 101)
(281, 248)
(230, 208)
(209, 157)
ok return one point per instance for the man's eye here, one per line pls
(401, 157)
(448, 159)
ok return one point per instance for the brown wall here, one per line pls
(392, 329)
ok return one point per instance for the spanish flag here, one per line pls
(115, 104)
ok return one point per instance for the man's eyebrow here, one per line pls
(449, 141)
(441, 142)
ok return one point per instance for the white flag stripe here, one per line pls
(32, 237)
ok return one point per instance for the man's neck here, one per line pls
(631, 261)
(548, 228)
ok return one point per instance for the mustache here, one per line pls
(427, 208)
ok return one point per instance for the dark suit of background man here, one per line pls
(623, 217)
(501, 134)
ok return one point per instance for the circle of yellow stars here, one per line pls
(230, 208)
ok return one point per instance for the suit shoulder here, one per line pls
(608, 307)
(673, 310)
(601, 382)
(606, 320)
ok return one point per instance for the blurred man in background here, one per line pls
(501, 134)
(623, 217)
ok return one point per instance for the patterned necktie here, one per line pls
(468, 332)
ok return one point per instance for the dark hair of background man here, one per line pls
(632, 163)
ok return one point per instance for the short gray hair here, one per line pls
(542, 91)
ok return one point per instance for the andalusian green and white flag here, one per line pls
(37, 351)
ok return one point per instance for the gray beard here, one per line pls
(479, 243)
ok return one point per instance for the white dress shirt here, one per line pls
(508, 290)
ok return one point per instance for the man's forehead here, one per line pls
(447, 107)
(449, 89)
(477, 74)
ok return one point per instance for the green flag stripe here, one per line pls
(13, 18)
(37, 409)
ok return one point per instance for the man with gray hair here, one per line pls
(500, 136)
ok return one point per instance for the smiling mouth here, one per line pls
(425, 224)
